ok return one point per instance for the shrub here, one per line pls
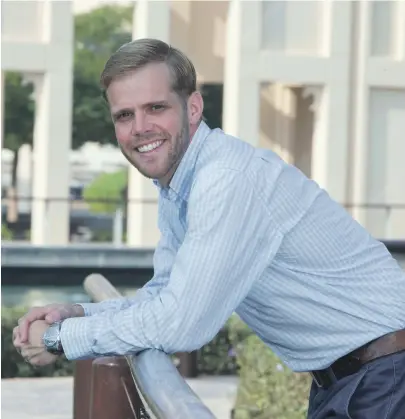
(216, 357)
(106, 193)
(6, 233)
(267, 389)
(12, 364)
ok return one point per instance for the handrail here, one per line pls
(166, 393)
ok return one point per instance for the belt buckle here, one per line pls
(324, 378)
(317, 381)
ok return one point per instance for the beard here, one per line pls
(168, 162)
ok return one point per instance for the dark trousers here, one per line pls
(377, 391)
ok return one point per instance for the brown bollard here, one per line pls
(187, 364)
(82, 389)
(114, 394)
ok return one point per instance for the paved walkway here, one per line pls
(51, 398)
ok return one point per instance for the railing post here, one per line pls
(187, 364)
(113, 391)
(82, 389)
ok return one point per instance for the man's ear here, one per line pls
(195, 108)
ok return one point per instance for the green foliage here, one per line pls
(98, 34)
(215, 358)
(12, 364)
(106, 193)
(267, 389)
(19, 108)
(6, 233)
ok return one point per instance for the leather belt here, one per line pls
(351, 363)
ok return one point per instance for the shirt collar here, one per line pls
(181, 181)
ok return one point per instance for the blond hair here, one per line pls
(136, 54)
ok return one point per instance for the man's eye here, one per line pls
(124, 115)
(157, 107)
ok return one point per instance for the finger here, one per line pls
(16, 337)
(57, 314)
(54, 316)
(31, 313)
(29, 352)
(36, 313)
(23, 330)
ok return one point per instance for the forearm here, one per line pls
(160, 323)
(91, 309)
(148, 291)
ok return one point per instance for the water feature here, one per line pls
(42, 295)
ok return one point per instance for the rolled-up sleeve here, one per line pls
(228, 244)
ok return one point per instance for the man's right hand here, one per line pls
(51, 313)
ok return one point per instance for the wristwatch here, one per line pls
(52, 339)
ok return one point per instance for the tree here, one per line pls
(107, 192)
(98, 34)
(19, 109)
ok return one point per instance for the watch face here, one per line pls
(52, 339)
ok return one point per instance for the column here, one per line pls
(241, 105)
(360, 106)
(52, 130)
(3, 79)
(330, 145)
(151, 20)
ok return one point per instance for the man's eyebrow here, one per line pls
(116, 114)
(156, 102)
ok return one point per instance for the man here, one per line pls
(240, 231)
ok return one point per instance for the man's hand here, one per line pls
(34, 350)
(50, 314)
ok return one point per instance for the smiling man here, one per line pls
(241, 231)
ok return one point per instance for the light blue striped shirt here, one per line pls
(244, 232)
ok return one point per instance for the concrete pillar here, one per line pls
(3, 77)
(277, 119)
(360, 110)
(330, 146)
(241, 105)
(400, 30)
(52, 130)
(151, 20)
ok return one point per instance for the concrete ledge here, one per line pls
(95, 256)
(25, 255)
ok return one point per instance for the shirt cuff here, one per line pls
(76, 338)
(89, 308)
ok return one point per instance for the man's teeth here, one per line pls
(149, 147)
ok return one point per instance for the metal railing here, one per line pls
(146, 385)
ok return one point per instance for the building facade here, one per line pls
(320, 83)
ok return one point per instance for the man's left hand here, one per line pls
(34, 351)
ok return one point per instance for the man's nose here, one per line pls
(140, 124)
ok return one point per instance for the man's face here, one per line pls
(151, 122)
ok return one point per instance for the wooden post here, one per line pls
(114, 394)
(82, 389)
(187, 364)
